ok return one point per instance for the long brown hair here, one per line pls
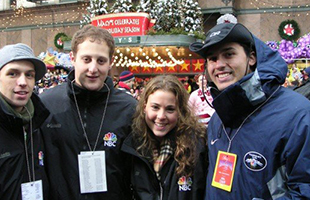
(188, 130)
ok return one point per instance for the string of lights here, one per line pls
(37, 18)
(285, 8)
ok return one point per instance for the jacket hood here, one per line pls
(238, 100)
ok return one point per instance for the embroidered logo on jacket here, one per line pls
(185, 184)
(110, 139)
(41, 158)
(254, 161)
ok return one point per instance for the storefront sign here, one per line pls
(127, 40)
(123, 24)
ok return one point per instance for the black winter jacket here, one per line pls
(171, 187)
(13, 165)
(64, 138)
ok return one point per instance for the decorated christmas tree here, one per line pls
(121, 6)
(168, 15)
(192, 15)
(96, 7)
(147, 6)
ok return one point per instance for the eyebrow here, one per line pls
(221, 51)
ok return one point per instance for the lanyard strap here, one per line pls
(81, 121)
(230, 140)
(26, 149)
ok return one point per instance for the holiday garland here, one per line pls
(289, 30)
(58, 42)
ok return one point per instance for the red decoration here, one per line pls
(289, 29)
(185, 67)
(198, 65)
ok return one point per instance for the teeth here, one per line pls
(223, 75)
(22, 93)
(161, 125)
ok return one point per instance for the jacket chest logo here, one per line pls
(254, 161)
(185, 184)
(110, 139)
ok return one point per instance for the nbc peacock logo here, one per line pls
(185, 183)
(110, 139)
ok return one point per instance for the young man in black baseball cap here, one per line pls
(258, 143)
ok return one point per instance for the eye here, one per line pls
(170, 109)
(211, 59)
(86, 59)
(30, 75)
(102, 61)
(154, 107)
(11, 74)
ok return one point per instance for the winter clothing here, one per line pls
(200, 106)
(125, 76)
(13, 165)
(170, 187)
(15, 52)
(304, 89)
(270, 137)
(65, 139)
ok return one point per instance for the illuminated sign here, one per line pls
(123, 24)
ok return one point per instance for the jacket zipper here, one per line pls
(161, 191)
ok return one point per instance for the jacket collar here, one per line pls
(237, 101)
(85, 96)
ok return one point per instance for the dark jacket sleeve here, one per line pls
(296, 157)
(200, 173)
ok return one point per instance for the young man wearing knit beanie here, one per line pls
(22, 172)
(126, 81)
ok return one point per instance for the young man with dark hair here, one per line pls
(22, 173)
(88, 124)
(258, 143)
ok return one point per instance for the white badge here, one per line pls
(32, 190)
(92, 171)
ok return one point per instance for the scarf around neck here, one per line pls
(24, 115)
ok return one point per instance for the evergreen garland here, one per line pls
(285, 36)
(58, 41)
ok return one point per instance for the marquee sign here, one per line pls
(124, 24)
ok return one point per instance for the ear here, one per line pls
(72, 58)
(144, 108)
(252, 59)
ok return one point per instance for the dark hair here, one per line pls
(248, 49)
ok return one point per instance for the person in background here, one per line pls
(201, 103)
(22, 172)
(167, 145)
(258, 142)
(304, 89)
(126, 81)
(88, 123)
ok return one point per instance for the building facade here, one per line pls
(36, 22)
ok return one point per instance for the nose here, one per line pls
(21, 81)
(93, 68)
(161, 114)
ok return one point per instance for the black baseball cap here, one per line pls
(223, 33)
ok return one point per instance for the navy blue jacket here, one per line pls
(273, 143)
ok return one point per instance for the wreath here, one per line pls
(58, 41)
(289, 30)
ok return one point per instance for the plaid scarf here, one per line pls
(165, 151)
